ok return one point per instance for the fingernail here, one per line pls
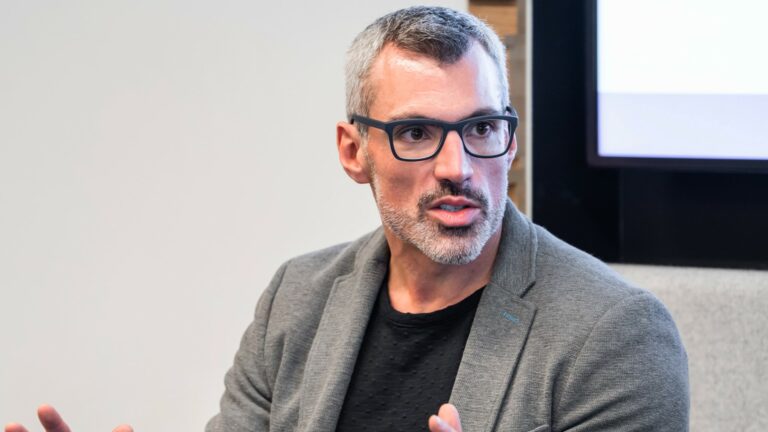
(440, 422)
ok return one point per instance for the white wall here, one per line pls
(158, 160)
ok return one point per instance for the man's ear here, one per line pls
(512, 152)
(351, 156)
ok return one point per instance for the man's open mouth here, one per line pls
(452, 208)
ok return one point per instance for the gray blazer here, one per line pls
(559, 342)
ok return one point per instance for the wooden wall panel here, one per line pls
(507, 18)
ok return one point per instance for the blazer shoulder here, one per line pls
(600, 335)
(576, 288)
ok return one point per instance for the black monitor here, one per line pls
(639, 208)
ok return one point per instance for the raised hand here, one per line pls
(446, 420)
(52, 422)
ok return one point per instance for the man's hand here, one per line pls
(52, 422)
(446, 420)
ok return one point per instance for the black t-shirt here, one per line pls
(406, 366)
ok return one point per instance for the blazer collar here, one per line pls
(514, 269)
(334, 351)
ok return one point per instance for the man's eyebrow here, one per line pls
(408, 115)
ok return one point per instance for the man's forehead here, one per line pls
(395, 66)
(406, 84)
(394, 55)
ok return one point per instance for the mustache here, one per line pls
(449, 188)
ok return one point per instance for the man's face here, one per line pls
(447, 207)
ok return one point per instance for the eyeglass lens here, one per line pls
(488, 137)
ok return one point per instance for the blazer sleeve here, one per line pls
(630, 375)
(247, 400)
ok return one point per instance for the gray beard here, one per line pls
(441, 244)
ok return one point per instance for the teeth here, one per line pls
(450, 207)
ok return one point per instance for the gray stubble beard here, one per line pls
(441, 244)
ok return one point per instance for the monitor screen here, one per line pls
(680, 83)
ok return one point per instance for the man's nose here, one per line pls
(453, 163)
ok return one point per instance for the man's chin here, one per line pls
(454, 246)
(455, 258)
(456, 231)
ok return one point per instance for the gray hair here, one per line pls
(436, 32)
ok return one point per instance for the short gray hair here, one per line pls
(436, 32)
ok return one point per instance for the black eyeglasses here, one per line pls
(486, 136)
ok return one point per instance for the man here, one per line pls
(458, 305)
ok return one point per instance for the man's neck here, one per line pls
(417, 284)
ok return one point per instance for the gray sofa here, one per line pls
(722, 316)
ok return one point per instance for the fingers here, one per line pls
(15, 427)
(51, 420)
(446, 420)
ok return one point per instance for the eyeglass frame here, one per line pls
(447, 127)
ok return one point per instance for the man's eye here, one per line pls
(481, 128)
(413, 134)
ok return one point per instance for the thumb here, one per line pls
(450, 415)
(446, 420)
(123, 428)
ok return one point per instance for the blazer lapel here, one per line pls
(500, 328)
(334, 351)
